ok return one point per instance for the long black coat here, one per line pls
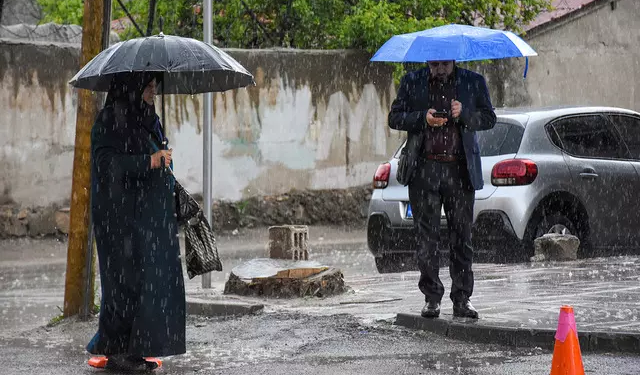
(143, 298)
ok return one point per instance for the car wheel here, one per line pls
(555, 223)
(391, 263)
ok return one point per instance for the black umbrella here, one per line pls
(189, 66)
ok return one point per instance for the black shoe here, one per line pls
(129, 364)
(431, 310)
(464, 309)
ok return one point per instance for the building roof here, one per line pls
(561, 8)
(120, 24)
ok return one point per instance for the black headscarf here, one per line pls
(125, 96)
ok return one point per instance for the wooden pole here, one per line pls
(77, 270)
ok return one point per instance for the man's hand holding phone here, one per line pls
(436, 119)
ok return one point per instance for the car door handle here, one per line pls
(588, 173)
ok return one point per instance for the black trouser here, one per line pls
(434, 184)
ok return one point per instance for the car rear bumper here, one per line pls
(492, 232)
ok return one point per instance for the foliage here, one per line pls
(62, 11)
(310, 24)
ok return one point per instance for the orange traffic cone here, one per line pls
(567, 359)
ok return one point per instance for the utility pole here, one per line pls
(78, 270)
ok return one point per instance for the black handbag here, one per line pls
(200, 243)
(403, 166)
(200, 247)
(186, 207)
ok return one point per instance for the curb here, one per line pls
(220, 308)
(468, 330)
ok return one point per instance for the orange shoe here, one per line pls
(154, 360)
(98, 362)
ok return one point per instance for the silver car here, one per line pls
(574, 169)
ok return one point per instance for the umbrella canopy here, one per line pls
(189, 65)
(453, 42)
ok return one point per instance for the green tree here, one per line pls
(315, 24)
(62, 11)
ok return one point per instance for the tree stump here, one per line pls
(279, 278)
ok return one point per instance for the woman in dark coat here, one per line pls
(142, 313)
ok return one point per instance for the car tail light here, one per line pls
(381, 178)
(514, 172)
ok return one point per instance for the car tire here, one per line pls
(556, 221)
(391, 263)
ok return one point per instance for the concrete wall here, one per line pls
(591, 58)
(20, 11)
(37, 122)
(315, 120)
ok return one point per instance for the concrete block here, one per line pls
(289, 242)
(555, 246)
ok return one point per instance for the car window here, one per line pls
(586, 136)
(502, 139)
(399, 150)
(512, 142)
(629, 128)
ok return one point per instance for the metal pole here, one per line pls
(207, 131)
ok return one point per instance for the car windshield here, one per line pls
(503, 139)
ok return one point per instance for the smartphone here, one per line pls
(440, 114)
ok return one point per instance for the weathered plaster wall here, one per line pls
(315, 120)
(37, 122)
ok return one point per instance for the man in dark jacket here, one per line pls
(441, 107)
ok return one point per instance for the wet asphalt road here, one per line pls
(273, 342)
(32, 272)
(291, 344)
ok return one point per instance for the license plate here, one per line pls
(410, 213)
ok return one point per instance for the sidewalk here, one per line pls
(518, 304)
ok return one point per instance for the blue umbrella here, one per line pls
(453, 42)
